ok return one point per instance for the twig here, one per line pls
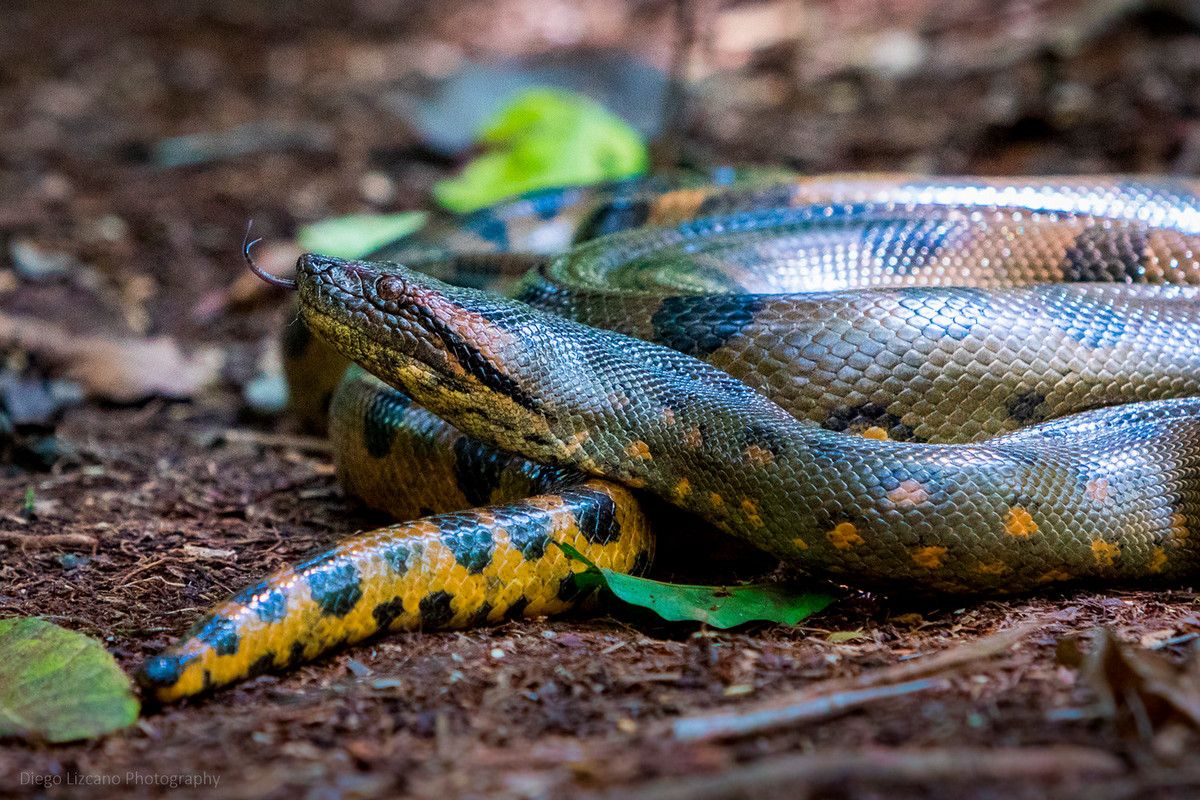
(839, 695)
(139, 569)
(953, 658)
(28, 541)
(1182, 638)
(879, 765)
(718, 726)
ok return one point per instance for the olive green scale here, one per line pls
(957, 385)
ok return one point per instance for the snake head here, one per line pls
(466, 355)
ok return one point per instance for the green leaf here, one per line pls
(837, 637)
(718, 606)
(355, 235)
(58, 686)
(543, 139)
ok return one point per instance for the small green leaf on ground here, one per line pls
(355, 235)
(718, 606)
(59, 686)
(543, 139)
(838, 637)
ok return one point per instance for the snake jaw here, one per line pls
(464, 355)
(340, 299)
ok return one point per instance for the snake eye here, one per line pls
(391, 287)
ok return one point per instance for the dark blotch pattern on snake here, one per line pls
(947, 385)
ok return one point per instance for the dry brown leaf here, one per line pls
(120, 369)
(1145, 693)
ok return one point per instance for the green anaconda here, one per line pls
(952, 384)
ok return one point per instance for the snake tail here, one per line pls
(451, 570)
(939, 385)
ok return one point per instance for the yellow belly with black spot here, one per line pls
(959, 385)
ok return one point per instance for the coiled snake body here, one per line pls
(958, 385)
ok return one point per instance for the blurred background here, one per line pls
(137, 139)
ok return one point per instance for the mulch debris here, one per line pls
(132, 153)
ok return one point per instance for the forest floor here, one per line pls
(157, 509)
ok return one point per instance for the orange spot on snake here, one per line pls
(1158, 560)
(844, 536)
(545, 502)
(875, 432)
(693, 438)
(992, 568)
(1054, 576)
(576, 442)
(1104, 552)
(683, 488)
(759, 456)
(676, 206)
(716, 499)
(929, 557)
(1179, 528)
(639, 449)
(908, 494)
(799, 543)
(1097, 489)
(750, 508)
(1019, 523)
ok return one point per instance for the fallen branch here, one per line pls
(840, 695)
(946, 660)
(719, 726)
(796, 773)
(27, 541)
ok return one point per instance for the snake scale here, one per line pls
(963, 385)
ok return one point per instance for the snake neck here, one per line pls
(1006, 514)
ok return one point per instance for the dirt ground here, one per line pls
(157, 509)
